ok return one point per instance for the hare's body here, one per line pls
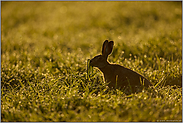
(120, 77)
(117, 76)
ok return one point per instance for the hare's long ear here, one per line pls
(110, 45)
(107, 48)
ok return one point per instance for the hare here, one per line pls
(116, 75)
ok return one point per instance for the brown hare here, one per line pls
(117, 76)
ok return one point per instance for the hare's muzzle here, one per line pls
(93, 62)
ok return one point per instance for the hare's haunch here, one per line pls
(117, 76)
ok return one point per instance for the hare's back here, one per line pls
(126, 74)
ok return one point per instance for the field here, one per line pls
(44, 51)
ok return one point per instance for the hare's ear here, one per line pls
(110, 45)
(107, 47)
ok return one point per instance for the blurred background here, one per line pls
(87, 24)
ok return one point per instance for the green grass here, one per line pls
(44, 51)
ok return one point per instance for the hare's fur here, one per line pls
(117, 76)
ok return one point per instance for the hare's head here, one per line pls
(101, 60)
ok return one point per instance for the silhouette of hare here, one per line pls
(117, 76)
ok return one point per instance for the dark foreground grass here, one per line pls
(44, 52)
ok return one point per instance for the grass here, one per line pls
(44, 51)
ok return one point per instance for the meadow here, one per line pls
(44, 51)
